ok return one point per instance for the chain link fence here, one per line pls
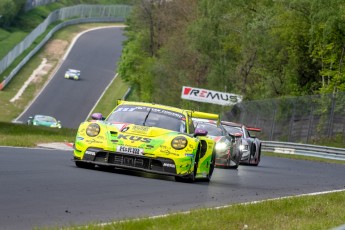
(30, 4)
(79, 13)
(294, 119)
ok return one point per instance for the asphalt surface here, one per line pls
(95, 54)
(43, 188)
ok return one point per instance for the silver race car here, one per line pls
(251, 145)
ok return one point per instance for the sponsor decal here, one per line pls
(125, 129)
(134, 138)
(168, 165)
(210, 96)
(90, 153)
(80, 138)
(168, 152)
(92, 141)
(140, 129)
(130, 150)
(189, 155)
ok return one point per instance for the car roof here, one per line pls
(42, 116)
(73, 70)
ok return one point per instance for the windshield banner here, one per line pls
(210, 96)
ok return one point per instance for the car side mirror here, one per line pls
(97, 116)
(200, 132)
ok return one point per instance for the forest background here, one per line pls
(259, 49)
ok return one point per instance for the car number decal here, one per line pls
(130, 150)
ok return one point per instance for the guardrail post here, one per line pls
(273, 121)
(311, 121)
(292, 120)
(331, 118)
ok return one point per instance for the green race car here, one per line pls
(44, 120)
(146, 137)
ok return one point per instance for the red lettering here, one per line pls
(186, 90)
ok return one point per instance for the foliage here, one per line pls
(9, 10)
(260, 49)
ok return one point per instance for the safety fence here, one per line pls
(305, 119)
(304, 149)
(30, 4)
(77, 14)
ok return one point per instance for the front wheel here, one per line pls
(257, 160)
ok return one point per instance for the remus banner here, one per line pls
(210, 96)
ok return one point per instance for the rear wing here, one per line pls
(253, 129)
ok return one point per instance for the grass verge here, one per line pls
(300, 157)
(29, 136)
(116, 90)
(306, 212)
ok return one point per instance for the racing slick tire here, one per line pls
(257, 161)
(212, 166)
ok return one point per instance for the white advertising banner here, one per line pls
(209, 96)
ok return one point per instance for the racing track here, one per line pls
(95, 53)
(40, 187)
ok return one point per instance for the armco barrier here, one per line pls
(83, 13)
(304, 149)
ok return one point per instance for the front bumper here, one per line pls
(159, 165)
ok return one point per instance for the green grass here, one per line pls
(28, 21)
(306, 212)
(29, 136)
(300, 157)
(116, 90)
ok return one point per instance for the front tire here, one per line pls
(257, 161)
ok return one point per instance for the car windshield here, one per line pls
(149, 116)
(232, 129)
(45, 118)
(212, 129)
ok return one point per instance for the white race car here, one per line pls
(72, 74)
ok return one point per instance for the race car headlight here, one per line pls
(179, 143)
(93, 130)
(221, 147)
(244, 148)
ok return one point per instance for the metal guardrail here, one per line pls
(304, 149)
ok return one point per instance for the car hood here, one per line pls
(139, 130)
